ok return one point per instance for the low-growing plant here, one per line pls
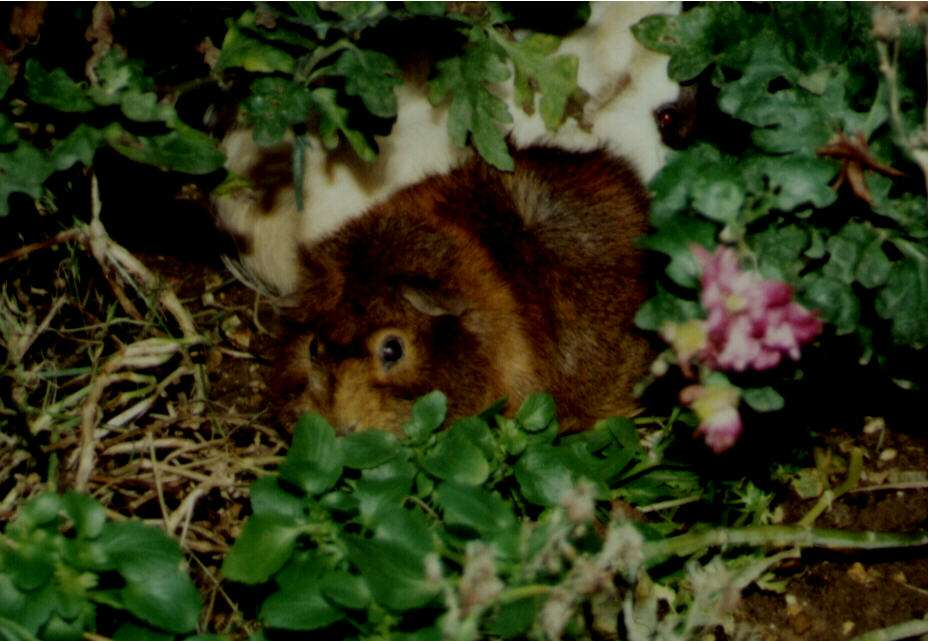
(810, 173)
(63, 564)
(473, 532)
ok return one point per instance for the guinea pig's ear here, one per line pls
(434, 303)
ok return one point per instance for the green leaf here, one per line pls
(555, 77)
(299, 606)
(874, 267)
(22, 170)
(307, 14)
(454, 458)
(274, 105)
(763, 399)
(406, 528)
(428, 413)
(845, 249)
(369, 448)
(717, 193)
(514, 618)
(835, 299)
(314, 460)
(87, 514)
(240, 50)
(184, 149)
(779, 251)
(79, 146)
(161, 594)
(267, 497)
(395, 576)
(345, 590)
(799, 180)
(903, 300)
(484, 512)
(372, 76)
(475, 110)
(664, 308)
(543, 475)
(536, 412)
(8, 133)
(265, 544)
(676, 241)
(55, 89)
(425, 8)
(334, 118)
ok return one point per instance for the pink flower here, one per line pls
(716, 406)
(752, 322)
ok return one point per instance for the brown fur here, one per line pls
(498, 284)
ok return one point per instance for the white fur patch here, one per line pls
(625, 81)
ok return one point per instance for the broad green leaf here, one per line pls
(475, 508)
(717, 192)
(903, 300)
(664, 308)
(474, 109)
(835, 299)
(307, 14)
(515, 618)
(874, 267)
(372, 76)
(241, 50)
(456, 459)
(345, 590)
(267, 497)
(273, 106)
(845, 249)
(537, 68)
(677, 241)
(55, 89)
(763, 399)
(376, 497)
(79, 146)
(536, 412)
(425, 8)
(543, 475)
(162, 595)
(8, 133)
(395, 576)
(799, 180)
(299, 604)
(428, 413)
(314, 460)
(40, 510)
(22, 170)
(333, 118)
(406, 528)
(265, 544)
(369, 448)
(87, 514)
(779, 251)
(184, 149)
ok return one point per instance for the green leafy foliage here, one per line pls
(61, 560)
(805, 83)
(362, 525)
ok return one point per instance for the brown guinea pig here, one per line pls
(482, 284)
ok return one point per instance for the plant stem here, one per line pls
(777, 536)
(855, 466)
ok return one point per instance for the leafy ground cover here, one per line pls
(146, 491)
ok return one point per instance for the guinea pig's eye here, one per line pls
(314, 349)
(391, 351)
